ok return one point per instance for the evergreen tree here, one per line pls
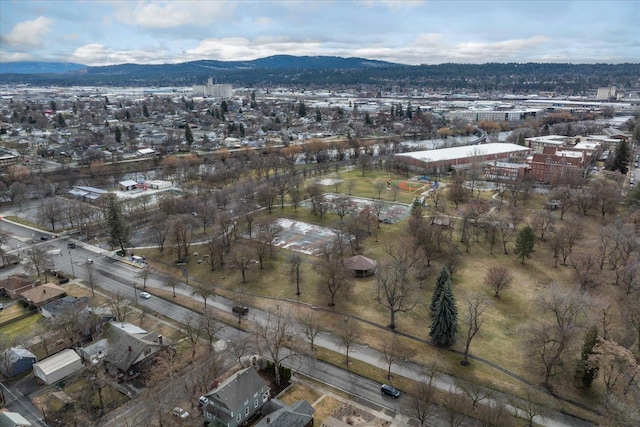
(52, 104)
(224, 107)
(622, 158)
(367, 119)
(521, 139)
(302, 109)
(525, 242)
(441, 282)
(318, 115)
(61, 121)
(118, 135)
(445, 318)
(188, 135)
(119, 231)
(145, 110)
(584, 372)
(409, 112)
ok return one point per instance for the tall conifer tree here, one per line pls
(443, 278)
(445, 317)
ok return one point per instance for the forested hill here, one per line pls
(324, 71)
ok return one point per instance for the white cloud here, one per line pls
(164, 14)
(393, 4)
(16, 57)
(28, 33)
(240, 48)
(98, 54)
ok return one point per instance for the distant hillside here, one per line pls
(39, 67)
(324, 71)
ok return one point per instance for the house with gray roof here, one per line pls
(277, 413)
(15, 361)
(132, 348)
(237, 399)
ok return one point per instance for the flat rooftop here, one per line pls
(465, 151)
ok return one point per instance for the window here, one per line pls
(246, 411)
(239, 417)
(255, 404)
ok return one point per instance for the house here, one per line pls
(56, 367)
(13, 419)
(95, 351)
(237, 399)
(132, 348)
(279, 414)
(553, 164)
(13, 285)
(127, 185)
(60, 307)
(16, 360)
(43, 294)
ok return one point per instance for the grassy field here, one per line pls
(500, 341)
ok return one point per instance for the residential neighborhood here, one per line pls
(222, 255)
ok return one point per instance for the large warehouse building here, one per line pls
(463, 157)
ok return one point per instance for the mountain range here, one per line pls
(326, 71)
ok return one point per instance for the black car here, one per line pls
(44, 238)
(71, 245)
(240, 309)
(389, 391)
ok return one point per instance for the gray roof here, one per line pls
(16, 353)
(129, 349)
(234, 391)
(279, 414)
(66, 303)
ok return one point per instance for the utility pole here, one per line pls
(71, 262)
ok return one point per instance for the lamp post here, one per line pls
(71, 262)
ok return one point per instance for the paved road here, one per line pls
(117, 277)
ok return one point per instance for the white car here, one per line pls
(145, 295)
(180, 413)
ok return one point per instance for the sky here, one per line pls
(414, 32)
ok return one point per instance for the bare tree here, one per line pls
(144, 274)
(91, 277)
(39, 261)
(396, 292)
(311, 325)
(392, 351)
(542, 222)
(191, 331)
(171, 282)
(295, 270)
(454, 404)
(476, 305)
(242, 260)
(527, 409)
(334, 276)
(239, 347)
(119, 306)
(422, 407)
(498, 279)
(476, 392)
(348, 331)
(584, 264)
(205, 292)
(561, 317)
(273, 336)
(210, 326)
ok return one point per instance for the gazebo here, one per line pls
(361, 265)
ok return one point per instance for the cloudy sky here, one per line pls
(409, 32)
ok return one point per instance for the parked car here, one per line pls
(44, 238)
(145, 295)
(71, 245)
(240, 309)
(180, 413)
(202, 400)
(389, 391)
(89, 261)
(2, 307)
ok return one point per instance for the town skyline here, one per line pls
(405, 32)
